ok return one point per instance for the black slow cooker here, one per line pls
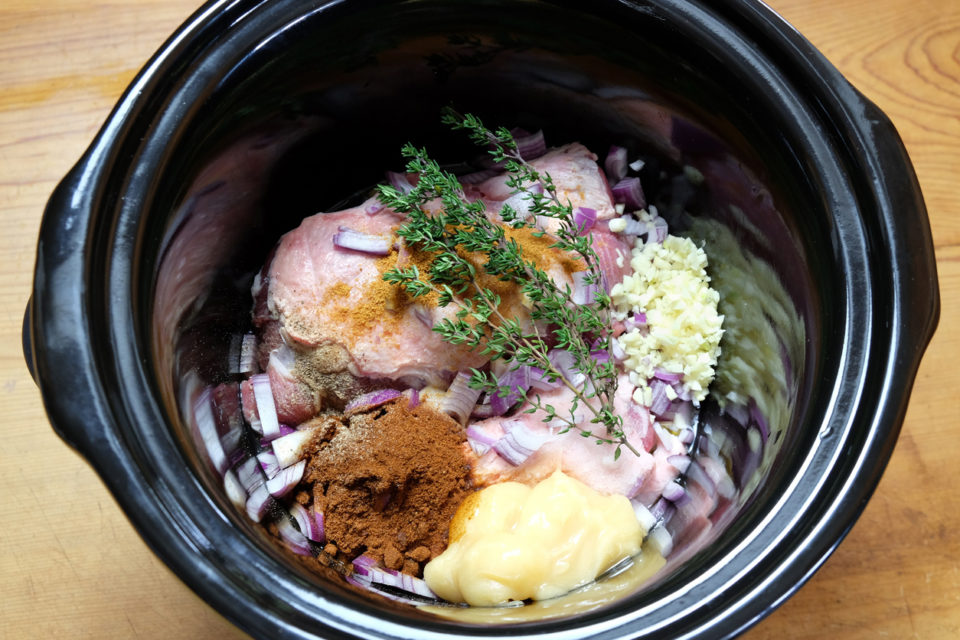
(257, 113)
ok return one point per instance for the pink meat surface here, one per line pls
(575, 174)
(321, 294)
(577, 456)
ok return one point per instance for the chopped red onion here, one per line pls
(540, 380)
(637, 165)
(399, 181)
(286, 479)
(295, 540)
(268, 463)
(695, 473)
(373, 208)
(661, 539)
(460, 398)
(414, 396)
(482, 411)
(372, 399)
(584, 218)
(480, 441)
(518, 442)
(667, 376)
(310, 522)
(565, 362)
(258, 503)
(409, 590)
(531, 146)
(657, 230)
(616, 164)
(674, 493)
(288, 449)
(234, 489)
(659, 402)
(617, 350)
(715, 470)
(207, 428)
(644, 517)
(249, 474)
(630, 193)
(517, 383)
(363, 564)
(584, 292)
(669, 441)
(266, 408)
(679, 462)
(347, 238)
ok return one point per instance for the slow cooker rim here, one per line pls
(107, 461)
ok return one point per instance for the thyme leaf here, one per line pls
(458, 228)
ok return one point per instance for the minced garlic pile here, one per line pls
(683, 329)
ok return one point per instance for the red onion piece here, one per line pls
(363, 564)
(373, 208)
(674, 493)
(288, 449)
(295, 540)
(258, 503)
(584, 218)
(480, 441)
(250, 474)
(679, 462)
(347, 238)
(266, 408)
(616, 164)
(565, 362)
(630, 193)
(659, 402)
(661, 539)
(399, 181)
(540, 381)
(414, 396)
(584, 292)
(518, 442)
(517, 382)
(234, 489)
(310, 522)
(695, 473)
(658, 230)
(531, 146)
(460, 399)
(372, 399)
(207, 428)
(714, 469)
(667, 376)
(286, 479)
(268, 463)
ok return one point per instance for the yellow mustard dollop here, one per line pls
(513, 542)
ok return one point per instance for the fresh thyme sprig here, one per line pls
(458, 228)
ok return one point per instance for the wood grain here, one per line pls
(71, 565)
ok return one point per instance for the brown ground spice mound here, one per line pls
(388, 482)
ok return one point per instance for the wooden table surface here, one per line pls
(71, 566)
